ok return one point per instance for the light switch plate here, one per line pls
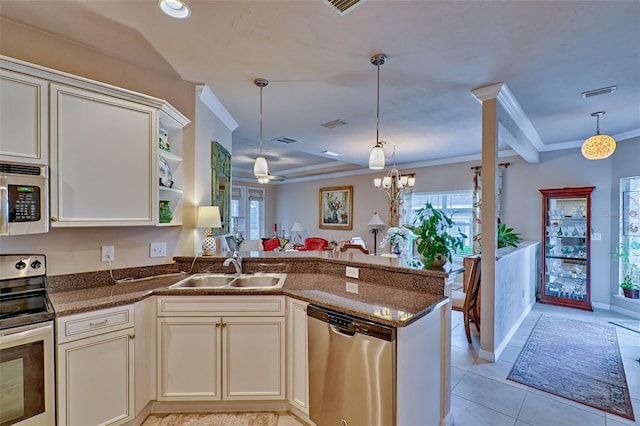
(596, 236)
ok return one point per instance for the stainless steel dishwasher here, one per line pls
(351, 370)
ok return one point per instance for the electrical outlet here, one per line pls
(352, 287)
(596, 236)
(352, 272)
(108, 253)
(157, 249)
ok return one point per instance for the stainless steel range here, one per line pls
(26, 342)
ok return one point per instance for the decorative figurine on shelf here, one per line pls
(165, 212)
(164, 140)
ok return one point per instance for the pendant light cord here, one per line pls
(261, 121)
(378, 109)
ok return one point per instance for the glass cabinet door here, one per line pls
(566, 231)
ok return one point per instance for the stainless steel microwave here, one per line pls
(24, 199)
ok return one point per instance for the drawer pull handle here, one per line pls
(93, 324)
(217, 325)
(132, 336)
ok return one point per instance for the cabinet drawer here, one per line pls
(88, 324)
(190, 306)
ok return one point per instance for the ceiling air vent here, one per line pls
(342, 7)
(596, 92)
(285, 140)
(333, 124)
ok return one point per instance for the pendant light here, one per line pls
(598, 147)
(376, 156)
(260, 167)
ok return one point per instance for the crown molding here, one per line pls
(212, 102)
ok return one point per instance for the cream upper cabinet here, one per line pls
(24, 131)
(298, 368)
(103, 160)
(95, 367)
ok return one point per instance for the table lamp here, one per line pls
(297, 228)
(208, 217)
(376, 224)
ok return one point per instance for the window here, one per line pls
(457, 205)
(247, 211)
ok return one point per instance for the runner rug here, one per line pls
(576, 360)
(213, 419)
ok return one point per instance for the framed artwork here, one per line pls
(336, 208)
(221, 185)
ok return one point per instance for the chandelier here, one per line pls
(260, 167)
(598, 147)
(394, 183)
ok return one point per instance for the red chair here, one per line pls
(314, 244)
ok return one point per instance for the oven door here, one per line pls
(27, 375)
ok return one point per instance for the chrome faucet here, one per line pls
(236, 261)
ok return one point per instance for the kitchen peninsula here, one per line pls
(386, 291)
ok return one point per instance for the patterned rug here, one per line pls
(632, 325)
(213, 419)
(576, 360)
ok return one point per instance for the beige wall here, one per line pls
(78, 250)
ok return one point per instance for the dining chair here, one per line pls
(353, 248)
(467, 301)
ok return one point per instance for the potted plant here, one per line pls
(507, 237)
(435, 243)
(630, 284)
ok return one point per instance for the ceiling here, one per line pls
(318, 67)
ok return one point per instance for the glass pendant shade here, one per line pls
(598, 147)
(376, 158)
(260, 166)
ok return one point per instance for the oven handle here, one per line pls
(25, 335)
(4, 204)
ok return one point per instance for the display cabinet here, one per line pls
(566, 232)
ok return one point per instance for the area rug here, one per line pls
(213, 419)
(576, 360)
(632, 325)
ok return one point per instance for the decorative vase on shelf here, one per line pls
(165, 212)
(397, 249)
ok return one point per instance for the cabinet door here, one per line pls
(145, 359)
(24, 133)
(188, 359)
(103, 160)
(253, 360)
(96, 380)
(298, 369)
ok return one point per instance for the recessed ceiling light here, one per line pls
(331, 153)
(174, 8)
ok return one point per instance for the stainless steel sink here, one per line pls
(204, 281)
(244, 281)
(258, 281)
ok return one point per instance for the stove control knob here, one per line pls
(36, 264)
(20, 265)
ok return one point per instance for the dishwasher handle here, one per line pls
(341, 331)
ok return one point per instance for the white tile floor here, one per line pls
(481, 394)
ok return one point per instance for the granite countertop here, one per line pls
(397, 307)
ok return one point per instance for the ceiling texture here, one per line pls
(318, 67)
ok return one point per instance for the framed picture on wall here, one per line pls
(336, 208)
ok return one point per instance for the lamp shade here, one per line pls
(209, 217)
(260, 167)
(598, 147)
(376, 158)
(375, 220)
(297, 227)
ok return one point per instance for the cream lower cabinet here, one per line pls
(95, 374)
(298, 368)
(221, 348)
